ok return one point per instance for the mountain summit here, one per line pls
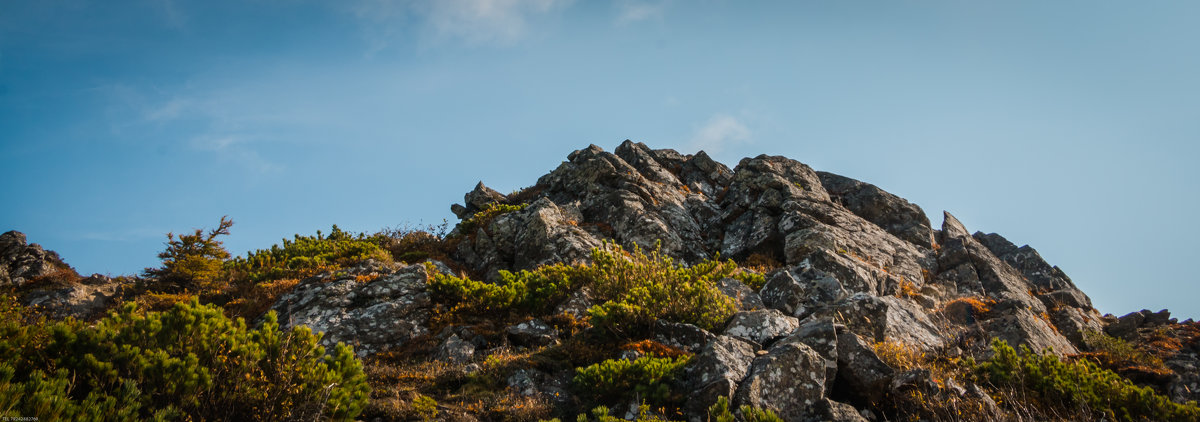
(649, 284)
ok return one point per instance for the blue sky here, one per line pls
(1071, 126)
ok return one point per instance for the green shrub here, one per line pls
(719, 412)
(647, 378)
(639, 289)
(193, 261)
(1080, 384)
(522, 293)
(306, 255)
(190, 362)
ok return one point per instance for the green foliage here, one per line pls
(639, 288)
(1080, 384)
(426, 407)
(633, 290)
(647, 378)
(600, 414)
(481, 219)
(719, 412)
(521, 293)
(304, 255)
(190, 362)
(756, 281)
(193, 261)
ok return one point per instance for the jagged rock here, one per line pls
(821, 334)
(887, 317)
(977, 271)
(722, 358)
(372, 316)
(827, 410)
(85, 300)
(890, 212)
(681, 335)
(532, 333)
(1126, 326)
(789, 380)
(747, 299)
(1025, 259)
(716, 372)
(762, 326)
(477, 200)
(1072, 323)
(1023, 327)
(535, 383)
(861, 372)
(455, 350)
(21, 262)
(540, 234)
(798, 295)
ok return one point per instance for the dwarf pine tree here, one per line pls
(193, 261)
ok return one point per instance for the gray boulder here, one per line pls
(789, 380)
(861, 370)
(762, 326)
(886, 318)
(455, 350)
(86, 300)
(890, 212)
(799, 291)
(387, 312)
(22, 262)
(745, 297)
(716, 372)
(532, 333)
(681, 335)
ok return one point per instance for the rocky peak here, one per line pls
(22, 262)
(840, 244)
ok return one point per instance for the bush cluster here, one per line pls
(187, 363)
(719, 412)
(514, 294)
(306, 255)
(1080, 385)
(647, 378)
(637, 289)
(633, 290)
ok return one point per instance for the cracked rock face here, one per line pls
(22, 262)
(372, 316)
(789, 380)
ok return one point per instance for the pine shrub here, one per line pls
(647, 378)
(190, 362)
(1080, 385)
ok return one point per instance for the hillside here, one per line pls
(638, 284)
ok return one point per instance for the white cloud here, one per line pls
(170, 110)
(472, 22)
(234, 148)
(720, 131)
(629, 11)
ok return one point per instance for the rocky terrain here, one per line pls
(849, 272)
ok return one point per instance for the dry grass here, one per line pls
(403, 388)
(967, 310)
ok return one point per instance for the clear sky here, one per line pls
(1071, 126)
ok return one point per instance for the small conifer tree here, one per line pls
(193, 261)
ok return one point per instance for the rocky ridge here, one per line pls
(847, 266)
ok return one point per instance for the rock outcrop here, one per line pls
(21, 262)
(372, 316)
(848, 270)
